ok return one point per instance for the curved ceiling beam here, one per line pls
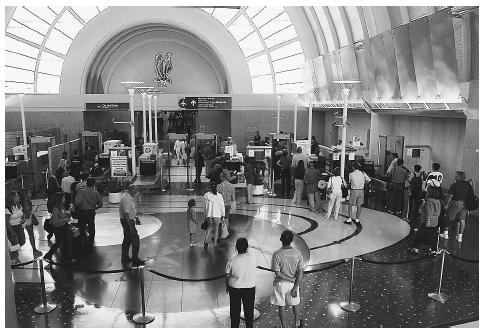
(361, 15)
(333, 32)
(316, 28)
(346, 24)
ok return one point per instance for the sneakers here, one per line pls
(301, 324)
(357, 221)
(446, 235)
(347, 221)
(459, 238)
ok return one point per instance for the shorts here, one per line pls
(357, 197)
(281, 294)
(457, 211)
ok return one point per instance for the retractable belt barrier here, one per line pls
(146, 318)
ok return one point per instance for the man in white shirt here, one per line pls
(436, 176)
(392, 163)
(357, 180)
(128, 214)
(66, 184)
(300, 156)
(240, 281)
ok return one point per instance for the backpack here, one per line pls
(472, 202)
(416, 184)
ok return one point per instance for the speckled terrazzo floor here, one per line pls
(389, 295)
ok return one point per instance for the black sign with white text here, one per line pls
(106, 106)
(208, 103)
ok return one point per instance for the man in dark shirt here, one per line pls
(87, 200)
(284, 164)
(249, 176)
(398, 176)
(459, 191)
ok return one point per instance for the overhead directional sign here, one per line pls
(182, 103)
(208, 103)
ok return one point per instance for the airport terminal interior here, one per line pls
(344, 136)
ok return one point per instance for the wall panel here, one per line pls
(392, 74)
(380, 66)
(405, 66)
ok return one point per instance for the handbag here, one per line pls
(204, 225)
(74, 231)
(224, 230)
(48, 226)
(344, 191)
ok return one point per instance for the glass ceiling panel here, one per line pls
(101, 8)
(250, 45)
(253, 10)
(18, 87)
(267, 14)
(284, 64)
(240, 28)
(17, 60)
(259, 66)
(262, 84)
(86, 13)
(287, 50)
(43, 12)
(47, 84)
(50, 64)
(58, 42)
(24, 32)
(20, 47)
(69, 25)
(18, 75)
(24, 16)
(224, 14)
(275, 25)
(293, 76)
(282, 36)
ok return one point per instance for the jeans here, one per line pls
(285, 182)
(298, 191)
(335, 200)
(131, 237)
(314, 199)
(246, 295)
(397, 197)
(87, 222)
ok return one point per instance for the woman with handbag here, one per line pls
(334, 193)
(30, 219)
(14, 224)
(59, 220)
(214, 213)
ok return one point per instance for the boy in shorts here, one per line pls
(287, 263)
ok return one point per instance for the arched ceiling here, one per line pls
(37, 39)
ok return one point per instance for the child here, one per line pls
(191, 220)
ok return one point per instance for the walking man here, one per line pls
(357, 181)
(87, 200)
(128, 215)
(287, 263)
(459, 191)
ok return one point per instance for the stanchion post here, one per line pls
(45, 307)
(350, 306)
(142, 317)
(438, 296)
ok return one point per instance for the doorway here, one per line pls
(387, 145)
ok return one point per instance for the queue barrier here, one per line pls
(146, 318)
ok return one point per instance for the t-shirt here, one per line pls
(461, 190)
(357, 180)
(300, 173)
(242, 268)
(287, 261)
(127, 206)
(437, 177)
(67, 183)
(334, 184)
(15, 215)
(311, 179)
(214, 205)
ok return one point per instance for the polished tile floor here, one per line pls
(193, 293)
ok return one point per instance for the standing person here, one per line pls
(59, 173)
(436, 175)
(214, 175)
(76, 164)
(357, 180)
(199, 161)
(87, 200)
(30, 219)
(214, 213)
(180, 149)
(257, 139)
(284, 164)
(53, 187)
(429, 221)
(315, 146)
(398, 176)
(299, 181)
(66, 186)
(459, 192)
(226, 189)
(191, 221)
(334, 186)
(208, 156)
(59, 220)
(312, 176)
(392, 165)
(287, 264)
(240, 281)
(13, 223)
(416, 181)
(128, 215)
(249, 177)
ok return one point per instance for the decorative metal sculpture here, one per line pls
(163, 66)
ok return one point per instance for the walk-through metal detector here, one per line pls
(206, 138)
(287, 139)
(174, 137)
